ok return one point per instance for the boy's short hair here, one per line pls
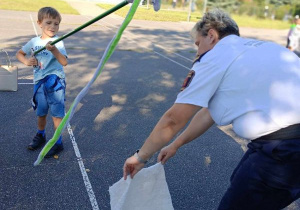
(48, 12)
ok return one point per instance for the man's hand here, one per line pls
(166, 153)
(131, 166)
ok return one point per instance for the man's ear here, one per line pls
(213, 36)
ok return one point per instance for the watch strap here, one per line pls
(141, 160)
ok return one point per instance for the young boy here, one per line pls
(49, 76)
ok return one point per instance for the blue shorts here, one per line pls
(50, 99)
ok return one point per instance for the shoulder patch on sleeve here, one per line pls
(188, 80)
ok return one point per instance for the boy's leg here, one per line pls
(42, 121)
(56, 100)
(58, 146)
(40, 138)
(56, 122)
(42, 109)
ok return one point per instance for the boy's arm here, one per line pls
(60, 57)
(21, 56)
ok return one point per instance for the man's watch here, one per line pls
(141, 160)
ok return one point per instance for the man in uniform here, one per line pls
(253, 85)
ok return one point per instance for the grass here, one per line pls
(179, 15)
(142, 13)
(34, 5)
(149, 14)
(252, 22)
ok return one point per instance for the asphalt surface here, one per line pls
(139, 83)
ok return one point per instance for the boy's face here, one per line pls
(49, 27)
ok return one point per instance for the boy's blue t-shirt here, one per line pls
(47, 63)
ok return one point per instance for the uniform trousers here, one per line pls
(267, 177)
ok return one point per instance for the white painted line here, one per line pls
(34, 28)
(85, 177)
(183, 57)
(25, 83)
(172, 60)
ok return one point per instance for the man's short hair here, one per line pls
(218, 20)
(48, 12)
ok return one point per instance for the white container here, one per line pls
(8, 76)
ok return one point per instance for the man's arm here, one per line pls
(167, 127)
(201, 122)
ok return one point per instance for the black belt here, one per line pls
(290, 132)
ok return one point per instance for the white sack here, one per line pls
(148, 190)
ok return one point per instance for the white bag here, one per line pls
(148, 190)
(8, 74)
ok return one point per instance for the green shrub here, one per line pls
(281, 11)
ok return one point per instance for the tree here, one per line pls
(281, 2)
(260, 2)
(225, 4)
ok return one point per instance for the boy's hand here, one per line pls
(50, 47)
(60, 57)
(32, 62)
